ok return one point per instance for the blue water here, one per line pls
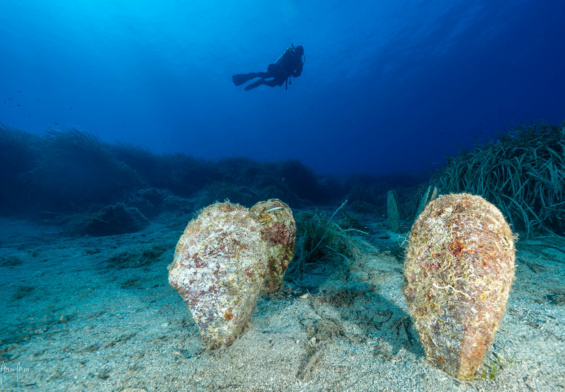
(388, 86)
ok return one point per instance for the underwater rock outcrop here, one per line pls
(459, 268)
(218, 269)
(153, 201)
(280, 230)
(114, 219)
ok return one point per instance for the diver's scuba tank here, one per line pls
(285, 49)
(290, 46)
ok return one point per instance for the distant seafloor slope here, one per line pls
(71, 176)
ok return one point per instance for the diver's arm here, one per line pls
(298, 70)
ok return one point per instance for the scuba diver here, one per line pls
(289, 64)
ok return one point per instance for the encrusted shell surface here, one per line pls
(280, 229)
(459, 268)
(219, 267)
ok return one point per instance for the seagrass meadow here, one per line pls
(522, 172)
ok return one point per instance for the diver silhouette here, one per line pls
(289, 64)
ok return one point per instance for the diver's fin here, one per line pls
(239, 79)
(255, 84)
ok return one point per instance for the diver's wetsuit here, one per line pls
(289, 64)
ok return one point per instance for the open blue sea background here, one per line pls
(388, 86)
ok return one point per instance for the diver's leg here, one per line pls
(274, 82)
(255, 84)
(239, 79)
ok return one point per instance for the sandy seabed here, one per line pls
(98, 314)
